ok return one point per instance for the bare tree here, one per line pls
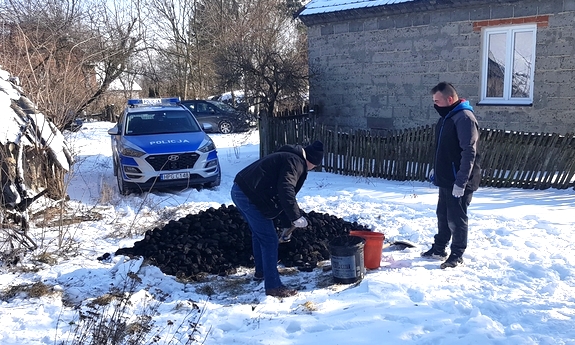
(208, 46)
(120, 33)
(44, 49)
(182, 49)
(53, 46)
(265, 54)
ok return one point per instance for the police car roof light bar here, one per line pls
(144, 102)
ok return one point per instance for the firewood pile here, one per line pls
(218, 241)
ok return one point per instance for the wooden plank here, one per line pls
(530, 174)
(400, 172)
(486, 152)
(494, 150)
(409, 154)
(553, 158)
(564, 162)
(568, 171)
(517, 150)
(538, 157)
(510, 149)
(499, 148)
(424, 154)
(525, 159)
(370, 163)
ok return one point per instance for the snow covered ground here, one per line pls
(517, 285)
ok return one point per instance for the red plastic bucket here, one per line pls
(373, 247)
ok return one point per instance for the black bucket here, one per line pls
(347, 260)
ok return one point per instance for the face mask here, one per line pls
(442, 111)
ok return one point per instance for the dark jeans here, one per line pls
(452, 221)
(264, 238)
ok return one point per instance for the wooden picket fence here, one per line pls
(509, 159)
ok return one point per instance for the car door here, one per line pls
(205, 114)
(118, 129)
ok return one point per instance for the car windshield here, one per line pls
(223, 106)
(160, 122)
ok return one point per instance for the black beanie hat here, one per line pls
(314, 152)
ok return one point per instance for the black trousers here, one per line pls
(452, 221)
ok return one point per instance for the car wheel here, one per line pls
(123, 186)
(226, 127)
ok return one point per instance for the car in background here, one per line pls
(74, 125)
(159, 144)
(223, 117)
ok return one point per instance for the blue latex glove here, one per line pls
(431, 175)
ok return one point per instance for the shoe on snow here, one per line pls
(452, 261)
(434, 254)
(281, 291)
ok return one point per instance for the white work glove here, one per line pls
(301, 222)
(457, 191)
(431, 175)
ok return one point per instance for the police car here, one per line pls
(158, 144)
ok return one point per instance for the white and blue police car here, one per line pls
(158, 144)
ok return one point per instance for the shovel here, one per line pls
(370, 234)
(401, 244)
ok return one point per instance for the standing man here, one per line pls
(264, 190)
(455, 171)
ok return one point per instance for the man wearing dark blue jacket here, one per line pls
(455, 171)
(263, 191)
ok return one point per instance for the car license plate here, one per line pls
(174, 176)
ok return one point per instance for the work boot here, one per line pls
(452, 261)
(281, 291)
(434, 253)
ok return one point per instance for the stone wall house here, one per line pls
(373, 62)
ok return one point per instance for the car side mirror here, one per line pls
(114, 130)
(207, 126)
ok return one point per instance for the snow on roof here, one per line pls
(13, 124)
(10, 121)
(327, 6)
(123, 84)
(53, 139)
(227, 96)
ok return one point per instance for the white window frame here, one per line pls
(510, 31)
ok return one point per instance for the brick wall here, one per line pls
(376, 72)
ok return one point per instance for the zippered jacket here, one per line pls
(272, 182)
(457, 155)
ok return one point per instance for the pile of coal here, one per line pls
(218, 241)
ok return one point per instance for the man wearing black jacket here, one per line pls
(455, 171)
(264, 190)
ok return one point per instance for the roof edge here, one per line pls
(393, 9)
